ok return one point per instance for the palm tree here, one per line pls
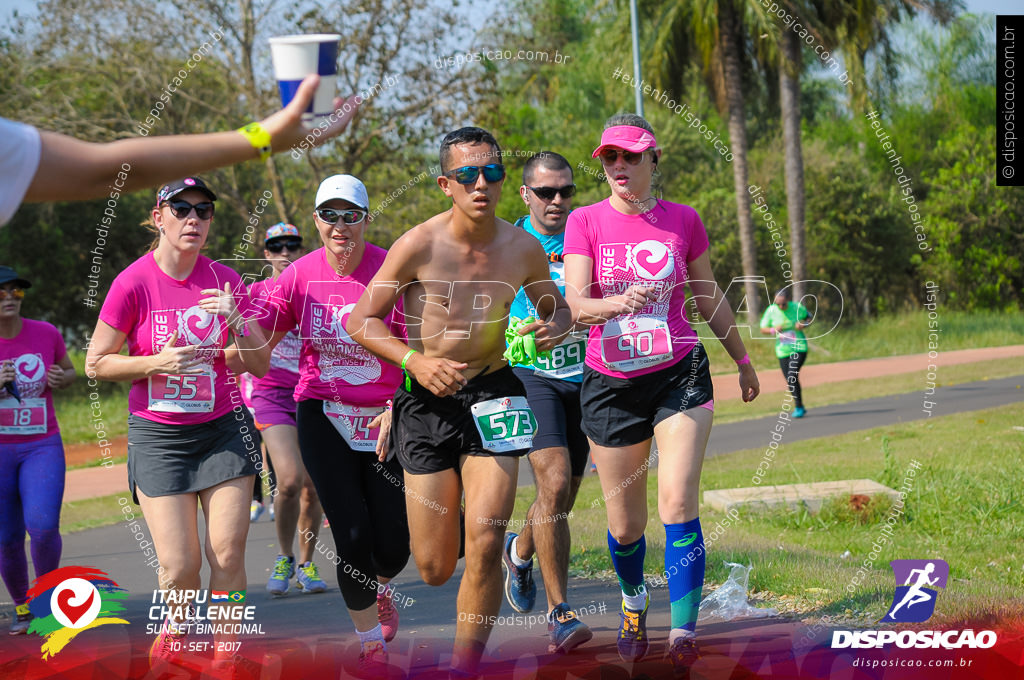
(715, 32)
(789, 99)
(859, 27)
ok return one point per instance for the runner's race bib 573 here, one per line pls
(504, 424)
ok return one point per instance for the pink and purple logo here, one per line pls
(914, 600)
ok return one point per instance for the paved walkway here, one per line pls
(96, 482)
(310, 636)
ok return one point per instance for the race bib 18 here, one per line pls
(635, 342)
(353, 424)
(181, 393)
(505, 424)
(25, 417)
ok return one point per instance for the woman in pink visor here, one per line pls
(646, 374)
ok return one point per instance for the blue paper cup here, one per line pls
(297, 56)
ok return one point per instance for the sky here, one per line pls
(479, 13)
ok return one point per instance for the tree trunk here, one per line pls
(728, 32)
(789, 93)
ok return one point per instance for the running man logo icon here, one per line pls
(914, 600)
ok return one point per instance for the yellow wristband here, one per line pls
(258, 137)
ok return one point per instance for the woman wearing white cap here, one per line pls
(33, 363)
(343, 424)
(627, 262)
(273, 398)
(190, 438)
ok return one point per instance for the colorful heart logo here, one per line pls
(652, 260)
(73, 612)
(75, 603)
(338, 324)
(29, 367)
(196, 326)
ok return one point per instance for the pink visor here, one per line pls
(627, 137)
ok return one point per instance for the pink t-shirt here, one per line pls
(284, 360)
(649, 250)
(318, 300)
(148, 306)
(37, 347)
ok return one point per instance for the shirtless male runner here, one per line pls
(461, 422)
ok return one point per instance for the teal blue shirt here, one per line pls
(566, 360)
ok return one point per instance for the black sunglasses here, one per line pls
(291, 244)
(495, 172)
(548, 193)
(181, 209)
(331, 216)
(609, 156)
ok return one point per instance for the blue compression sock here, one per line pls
(684, 562)
(628, 561)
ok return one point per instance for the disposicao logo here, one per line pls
(68, 600)
(914, 602)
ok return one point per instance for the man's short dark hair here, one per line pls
(466, 135)
(544, 159)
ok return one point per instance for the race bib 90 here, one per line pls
(353, 424)
(505, 424)
(181, 393)
(25, 417)
(635, 342)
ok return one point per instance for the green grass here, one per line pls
(966, 506)
(886, 336)
(75, 411)
(91, 513)
(734, 410)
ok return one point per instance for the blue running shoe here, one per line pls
(309, 579)
(284, 569)
(633, 641)
(799, 412)
(565, 630)
(683, 654)
(520, 590)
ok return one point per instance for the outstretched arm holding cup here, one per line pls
(63, 168)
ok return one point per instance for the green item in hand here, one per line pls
(522, 349)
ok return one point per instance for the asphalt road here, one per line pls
(311, 635)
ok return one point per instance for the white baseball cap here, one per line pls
(345, 187)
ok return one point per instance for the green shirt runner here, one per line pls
(788, 340)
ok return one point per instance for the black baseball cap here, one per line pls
(8, 275)
(169, 191)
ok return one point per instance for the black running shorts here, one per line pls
(624, 411)
(430, 433)
(556, 405)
